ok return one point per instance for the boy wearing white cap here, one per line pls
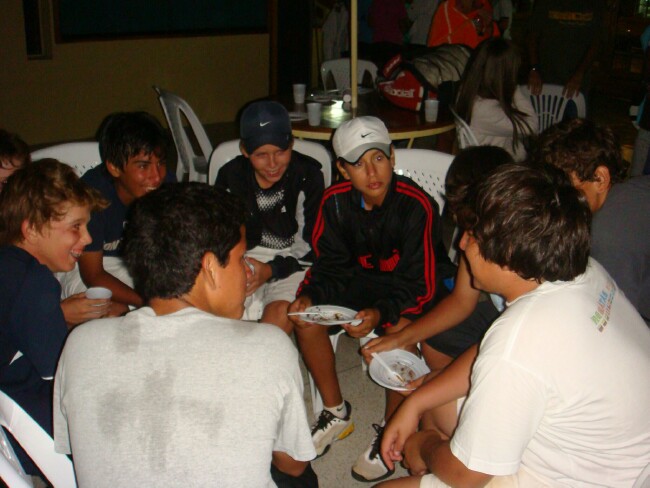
(282, 190)
(374, 241)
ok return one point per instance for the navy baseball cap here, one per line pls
(263, 123)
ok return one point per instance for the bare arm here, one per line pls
(287, 464)
(535, 81)
(427, 451)
(451, 311)
(574, 83)
(92, 273)
(450, 385)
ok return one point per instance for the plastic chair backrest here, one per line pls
(550, 105)
(427, 168)
(11, 471)
(229, 150)
(196, 165)
(466, 137)
(340, 70)
(82, 156)
(56, 467)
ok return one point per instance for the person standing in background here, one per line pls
(502, 13)
(563, 44)
(420, 13)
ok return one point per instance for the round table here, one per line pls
(401, 123)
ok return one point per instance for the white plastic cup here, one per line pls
(431, 110)
(99, 292)
(314, 113)
(299, 90)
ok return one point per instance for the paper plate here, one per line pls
(407, 365)
(297, 116)
(322, 97)
(330, 315)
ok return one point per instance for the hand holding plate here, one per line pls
(370, 318)
(297, 307)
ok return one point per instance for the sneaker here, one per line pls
(370, 466)
(329, 428)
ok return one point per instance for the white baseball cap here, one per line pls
(354, 137)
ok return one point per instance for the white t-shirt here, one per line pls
(561, 385)
(186, 399)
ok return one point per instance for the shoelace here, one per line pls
(376, 442)
(324, 419)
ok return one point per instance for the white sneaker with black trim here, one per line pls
(329, 428)
(370, 466)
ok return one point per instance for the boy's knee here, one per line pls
(276, 313)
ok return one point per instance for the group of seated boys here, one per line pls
(543, 382)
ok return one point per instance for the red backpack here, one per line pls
(408, 82)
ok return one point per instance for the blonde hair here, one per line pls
(38, 193)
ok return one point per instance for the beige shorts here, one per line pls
(521, 479)
(71, 282)
(280, 290)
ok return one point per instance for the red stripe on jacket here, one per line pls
(429, 256)
(319, 225)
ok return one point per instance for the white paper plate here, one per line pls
(407, 365)
(330, 315)
(297, 116)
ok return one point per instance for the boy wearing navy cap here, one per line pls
(375, 242)
(281, 189)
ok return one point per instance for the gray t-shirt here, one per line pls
(620, 240)
(186, 399)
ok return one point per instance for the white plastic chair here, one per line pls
(195, 165)
(56, 467)
(340, 71)
(429, 170)
(82, 156)
(11, 471)
(464, 134)
(550, 104)
(226, 151)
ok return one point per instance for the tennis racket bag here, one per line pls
(406, 81)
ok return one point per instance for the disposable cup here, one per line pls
(98, 292)
(299, 90)
(314, 113)
(431, 110)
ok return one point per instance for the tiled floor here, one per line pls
(367, 400)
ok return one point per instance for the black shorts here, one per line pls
(455, 341)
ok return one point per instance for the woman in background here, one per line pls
(492, 103)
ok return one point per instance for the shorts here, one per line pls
(274, 291)
(71, 282)
(522, 478)
(453, 342)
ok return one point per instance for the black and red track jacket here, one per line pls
(395, 246)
